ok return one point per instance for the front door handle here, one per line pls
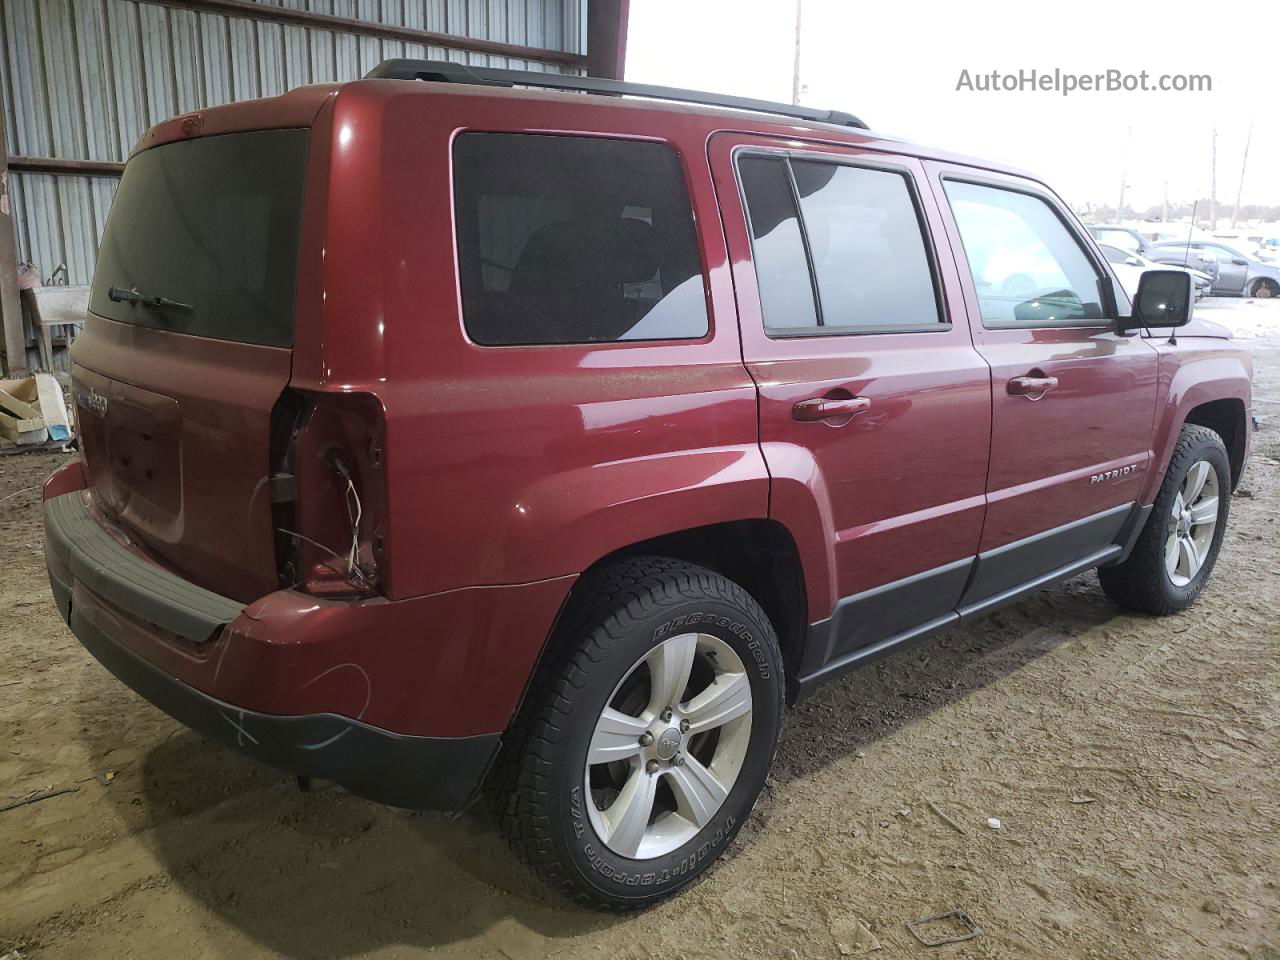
(823, 408)
(1033, 388)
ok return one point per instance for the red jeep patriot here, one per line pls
(440, 436)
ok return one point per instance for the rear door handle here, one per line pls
(821, 408)
(1033, 388)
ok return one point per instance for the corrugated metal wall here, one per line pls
(82, 79)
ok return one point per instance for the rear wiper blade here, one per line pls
(134, 295)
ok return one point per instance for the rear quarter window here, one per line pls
(566, 239)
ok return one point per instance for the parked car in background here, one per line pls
(1239, 274)
(443, 438)
(1157, 232)
(1125, 238)
(1129, 268)
(1253, 243)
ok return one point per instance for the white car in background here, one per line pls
(1129, 268)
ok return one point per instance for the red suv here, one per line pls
(441, 438)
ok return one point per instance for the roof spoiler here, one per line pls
(444, 71)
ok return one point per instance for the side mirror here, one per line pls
(1163, 300)
(1240, 263)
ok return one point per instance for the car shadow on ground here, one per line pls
(874, 701)
(325, 874)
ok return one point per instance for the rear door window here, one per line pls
(851, 235)
(210, 225)
(565, 239)
(868, 248)
(777, 245)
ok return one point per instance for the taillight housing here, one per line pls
(329, 493)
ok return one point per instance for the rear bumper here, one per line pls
(403, 702)
(438, 773)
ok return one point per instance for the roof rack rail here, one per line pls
(444, 71)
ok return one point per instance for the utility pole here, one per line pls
(795, 68)
(1124, 173)
(1244, 162)
(1213, 184)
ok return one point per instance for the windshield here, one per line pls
(203, 238)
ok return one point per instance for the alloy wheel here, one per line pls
(1192, 522)
(668, 746)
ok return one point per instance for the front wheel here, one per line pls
(1265, 289)
(647, 737)
(1178, 547)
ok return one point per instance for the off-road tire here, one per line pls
(1142, 581)
(614, 616)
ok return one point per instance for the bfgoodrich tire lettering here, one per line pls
(1143, 581)
(615, 618)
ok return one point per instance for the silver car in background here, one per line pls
(1239, 275)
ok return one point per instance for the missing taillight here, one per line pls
(355, 512)
(330, 536)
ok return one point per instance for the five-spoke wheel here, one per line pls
(1192, 521)
(668, 747)
(648, 735)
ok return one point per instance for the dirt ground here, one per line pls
(1132, 763)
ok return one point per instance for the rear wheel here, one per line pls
(1178, 547)
(647, 737)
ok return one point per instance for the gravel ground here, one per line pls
(1130, 761)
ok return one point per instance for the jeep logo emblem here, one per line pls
(668, 743)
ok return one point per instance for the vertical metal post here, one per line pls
(1124, 174)
(1213, 185)
(15, 339)
(795, 65)
(607, 38)
(1244, 165)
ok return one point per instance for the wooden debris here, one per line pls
(37, 797)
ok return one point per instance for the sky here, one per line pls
(897, 67)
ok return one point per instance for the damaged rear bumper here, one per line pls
(154, 631)
(438, 773)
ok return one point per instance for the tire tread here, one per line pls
(1137, 582)
(605, 606)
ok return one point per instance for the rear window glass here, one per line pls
(867, 247)
(575, 240)
(210, 225)
(777, 245)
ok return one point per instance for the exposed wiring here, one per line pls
(334, 553)
(353, 514)
(19, 492)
